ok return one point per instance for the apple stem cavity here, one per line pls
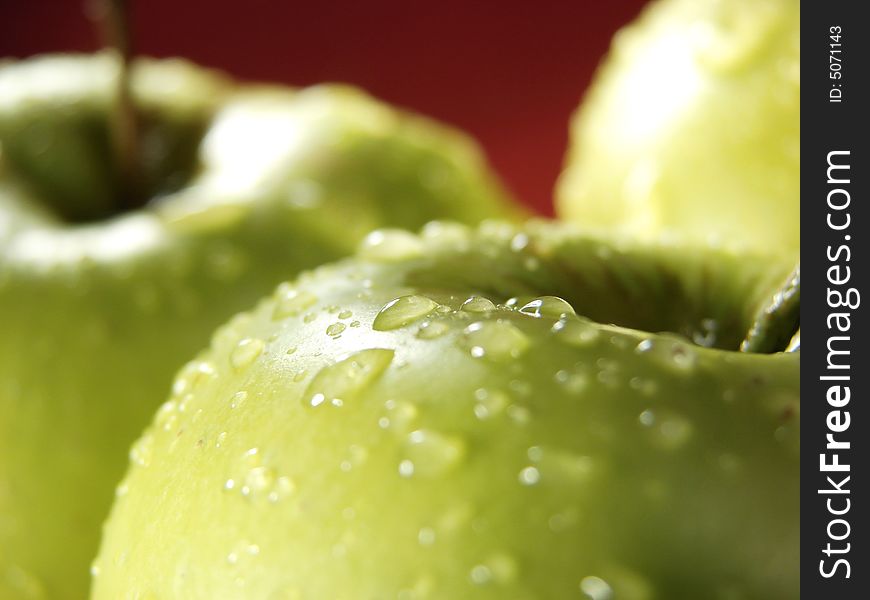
(114, 22)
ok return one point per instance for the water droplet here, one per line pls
(647, 387)
(426, 536)
(431, 453)
(335, 329)
(518, 414)
(356, 456)
(647, 418)
(548, 306)
(304, 194)
(192, 376)
(669, 430)
(400, 416)
(519, 242)
(390, 245)
(143, 450)
(480, 574)
(596, 588)
(562, 521)
(673, 353)
(403, 311)
(574, 381)
(258, 480)
(122, 489)
(529, 476)
(345, 314)
(446, 234)
(166, 416)
(478, 304)
(221, 438)
(238, 399)
(246, 352)
(429, 330)
(347, 378)
(490, 403)
(406, 468)
(576, 332)
(563, 466)
(706, 336)
(290, 302)
(283, 487)
(495, 340)
(503, 568)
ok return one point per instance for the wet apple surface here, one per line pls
(433, 419)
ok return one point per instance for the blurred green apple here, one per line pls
(433, 420)
(692, 128)
(101, 299)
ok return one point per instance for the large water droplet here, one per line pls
(403, 311)
(478, 304)
(547, 306)
(336, 329)
(495, 340)
(390, 245)
(347, 378)
(432, 453)
(596, 588)
(246, 352)
(529, 476)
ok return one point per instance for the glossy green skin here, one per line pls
(585, 461)
(96, 317)
(691, 128)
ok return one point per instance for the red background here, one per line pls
(508, 72)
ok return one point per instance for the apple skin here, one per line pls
(329, 444)
(99, 306)
(691, 128)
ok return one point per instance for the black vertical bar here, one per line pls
(834, 333)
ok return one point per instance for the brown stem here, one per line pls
(114, 21)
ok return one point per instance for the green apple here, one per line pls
(432, 419)
(692, 128)
(101, 299)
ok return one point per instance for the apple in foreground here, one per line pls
(692, 128)
(432, 419)
(102, 295)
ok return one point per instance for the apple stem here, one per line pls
(124, 127)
